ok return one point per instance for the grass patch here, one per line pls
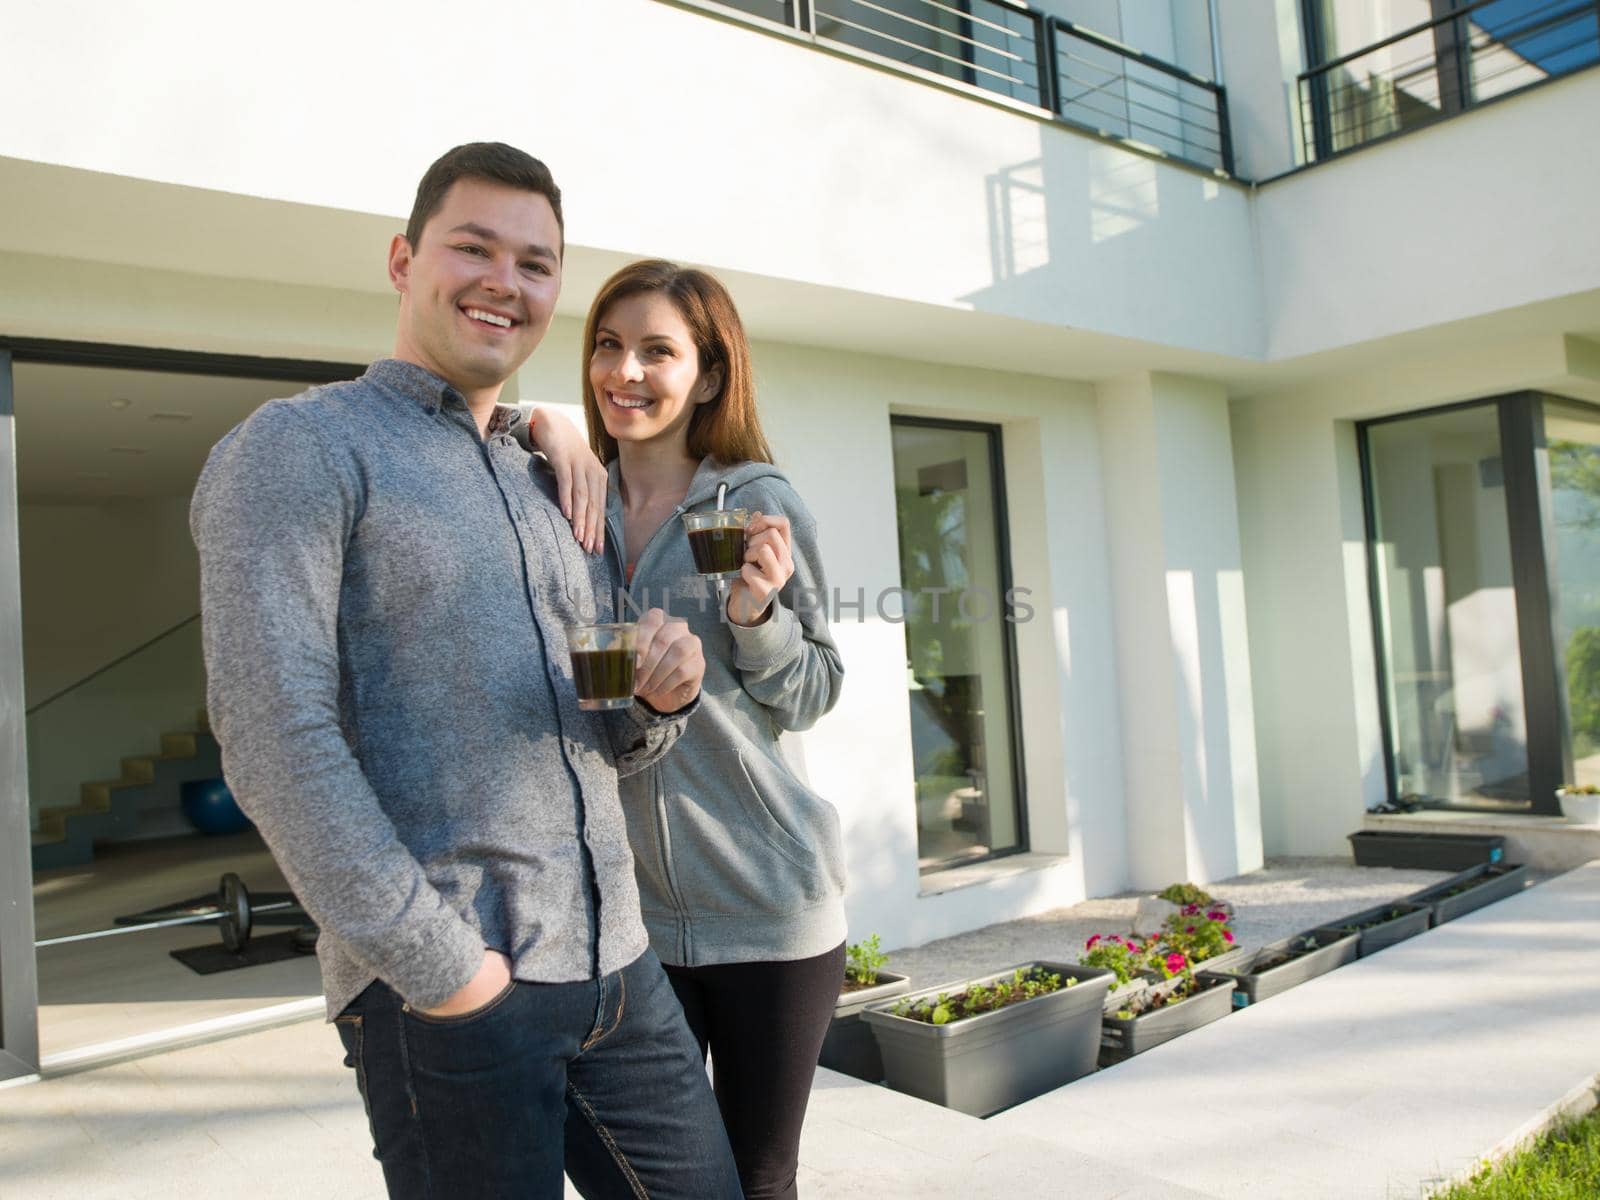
(1563, 1164)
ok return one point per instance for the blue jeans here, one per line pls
(600, 1078)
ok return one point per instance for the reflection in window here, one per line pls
(1447, 609)
(958, 642)
(1572, 435)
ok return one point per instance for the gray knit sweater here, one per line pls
(385, 599)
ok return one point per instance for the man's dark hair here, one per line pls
(494, 161)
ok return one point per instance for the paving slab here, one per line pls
(1374, 1081)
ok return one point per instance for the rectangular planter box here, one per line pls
(1123, 1037)
(992, 1061)
(1117, 997)
(1414, 918)
(1426, 851)
(1225, 961)
(1504, 879)
(849, 1047)
(1251, 984)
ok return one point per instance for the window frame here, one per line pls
(994, 435)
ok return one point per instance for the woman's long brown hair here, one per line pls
(726, 427)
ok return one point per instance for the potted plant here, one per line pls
(986, 1044)
(1163, 1011)
(1381, 927)
(1128, 960)
(1153, 911)
(1281, 965)
(1580, 804)
(1202, 934)
(849, 1047)
(1472, 890)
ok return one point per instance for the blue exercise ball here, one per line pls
(210, 806)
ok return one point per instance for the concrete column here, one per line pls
(1188, 733)
(1300, 507)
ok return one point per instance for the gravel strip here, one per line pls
(1286, 896)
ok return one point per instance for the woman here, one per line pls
(739, 863)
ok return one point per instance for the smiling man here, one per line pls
(386, 584)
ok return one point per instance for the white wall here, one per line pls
(1182, 643)
(723, 146)
(1475, 215)
(99, 580)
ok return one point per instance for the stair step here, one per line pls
(139, 769)
(100, 812)
(97, 796)
(65, 812)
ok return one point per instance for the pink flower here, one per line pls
(1176, 962)
(1216, 916)
(1190, 929)
(1189, 910)
(1090, 944)
(1229, 936)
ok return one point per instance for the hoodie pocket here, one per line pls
(747, 837)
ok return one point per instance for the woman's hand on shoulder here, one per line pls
(581, 480)
(768, 565)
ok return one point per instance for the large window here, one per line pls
(1380, 67)
(1484, 529)
(960, 654)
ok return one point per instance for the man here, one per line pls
(386, 583)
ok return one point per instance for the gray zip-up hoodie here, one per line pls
(737, 859)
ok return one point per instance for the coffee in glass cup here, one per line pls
(603, 658)
(716, 539)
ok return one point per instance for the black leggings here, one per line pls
(764, 1023)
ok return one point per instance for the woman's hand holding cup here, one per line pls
(768, 565)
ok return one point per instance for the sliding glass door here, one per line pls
(1484, 534)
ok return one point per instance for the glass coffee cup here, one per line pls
(716, 539)
(603, 658)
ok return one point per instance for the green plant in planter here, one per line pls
(1184, 894)
(1383, 918)
(1152, 1000)
(1585, 789)
(1197, 933)
(1298, 948)
(863, 961)
(1124, 957)
(944, 1008)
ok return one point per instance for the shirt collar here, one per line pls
(413, 382)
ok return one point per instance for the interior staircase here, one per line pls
(119, 809)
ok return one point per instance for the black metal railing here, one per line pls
(1001, 46)
(1121, 92)
(1442, 67)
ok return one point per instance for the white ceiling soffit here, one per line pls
(60, 211)
(78, 442)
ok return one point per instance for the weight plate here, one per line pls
(234, 900)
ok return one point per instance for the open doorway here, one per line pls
(128, 815)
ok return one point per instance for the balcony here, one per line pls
(1481, 52)
(1004, 49)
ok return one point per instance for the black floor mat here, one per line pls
(215, 957)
